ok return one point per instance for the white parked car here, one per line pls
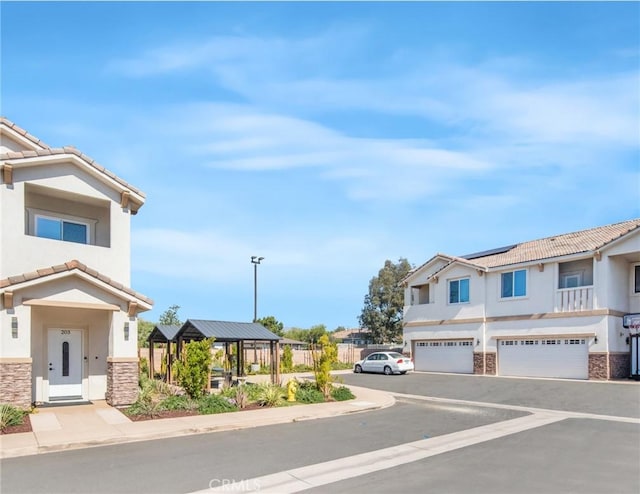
(385, 362)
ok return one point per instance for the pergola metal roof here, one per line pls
(163, 333)
(225, 331)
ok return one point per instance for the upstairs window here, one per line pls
(637, 279)
(61, 229)
(574, 274)
(514, 284)
(459, 291)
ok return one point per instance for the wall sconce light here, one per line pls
(595, 340)
(626, 340)
(478, 342)
(126, 331)
(14, 327)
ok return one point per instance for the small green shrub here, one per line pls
(342, 393)
(147, 407)
(10, 415)
(216, 404)
(241, 397)
(144, 366)
(308, 392)
(178, 403)
(253, 391)
(271, 395)
(193, 367)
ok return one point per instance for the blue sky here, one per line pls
(329, 137)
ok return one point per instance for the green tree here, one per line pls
(144, 330)
(298, 334)
(286, 363)
(192, 369)
(170, 316)
(315, 332)
(272, 324)
(382, 311)
(324, 354)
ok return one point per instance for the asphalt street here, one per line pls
(191, 463)
(570, 453)
(606, 398)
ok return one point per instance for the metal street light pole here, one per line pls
(255, 260)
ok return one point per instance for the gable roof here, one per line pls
(23, 133)
(41, 275)
(163, 333)
(25, 158)
(583, 241)
(225, 331)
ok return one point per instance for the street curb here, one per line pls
(246, 420)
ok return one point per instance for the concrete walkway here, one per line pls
(96, 424)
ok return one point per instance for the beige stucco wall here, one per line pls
(95, 201)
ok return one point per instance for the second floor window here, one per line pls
(637, 278)
(514, 284)
(61, 229)
(459, 291)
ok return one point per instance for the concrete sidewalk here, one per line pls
(97, 424)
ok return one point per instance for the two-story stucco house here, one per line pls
(547, 308)
(68, 319)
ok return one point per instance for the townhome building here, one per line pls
(552, 307)
(68, 319)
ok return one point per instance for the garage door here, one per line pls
(549, 357)
(444, 356)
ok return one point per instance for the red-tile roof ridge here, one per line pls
(589, 240)
(70, 266)
(49, 151)
(19, 130)
(13, 155)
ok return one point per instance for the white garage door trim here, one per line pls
(564, 357)
(444, 356)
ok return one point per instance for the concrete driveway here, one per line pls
(620, 399)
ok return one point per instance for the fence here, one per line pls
(346, 354)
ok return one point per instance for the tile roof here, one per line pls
(70, 266)
(19, 130)
(556, 246)
(49, 151)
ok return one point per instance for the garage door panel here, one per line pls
(549, 357)
(444, 356)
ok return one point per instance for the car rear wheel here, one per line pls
(357, 369)
(387, 370)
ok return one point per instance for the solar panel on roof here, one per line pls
(491, 252)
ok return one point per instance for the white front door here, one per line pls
(65, 364)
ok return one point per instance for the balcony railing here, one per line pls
(574, 299)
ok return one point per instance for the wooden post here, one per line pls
(151, 362)
(278, 362)
(169, 361)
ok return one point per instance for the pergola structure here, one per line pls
(230, 333)
(162, 333)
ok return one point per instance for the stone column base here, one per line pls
(15, 382)
(599, 366)
(122, 381)
(619, 365)
(484, 363)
